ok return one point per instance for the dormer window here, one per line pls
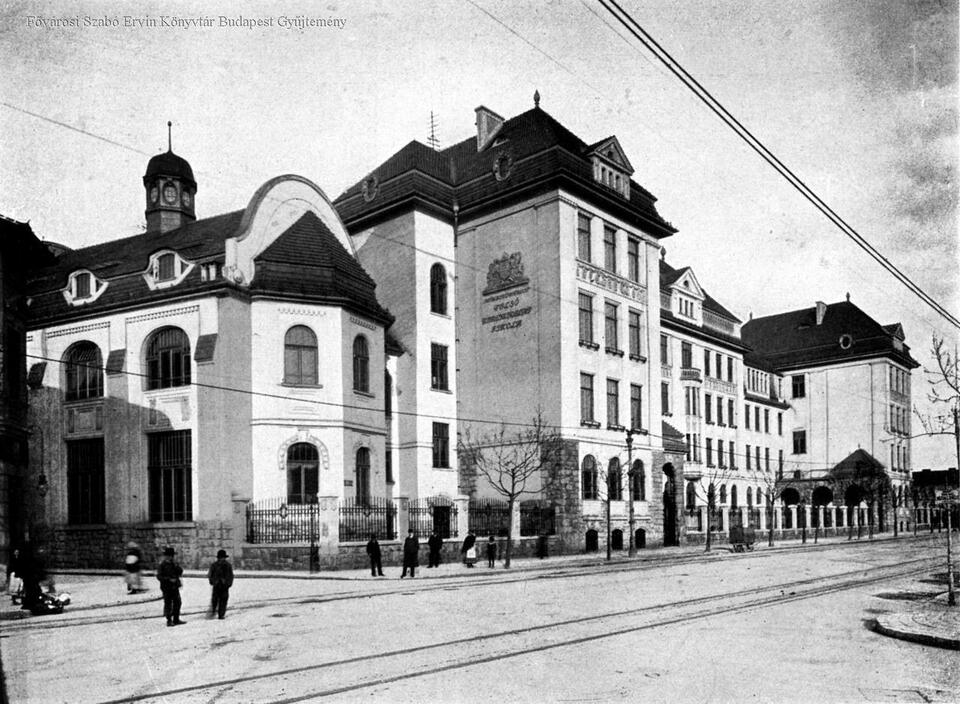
(210, 271)
(687, 308)
(611, 166)
(166, 269)
(83, 287)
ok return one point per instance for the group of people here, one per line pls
(170, 574)
(411, 552)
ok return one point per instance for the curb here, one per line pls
(884, 626)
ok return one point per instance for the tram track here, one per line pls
(345, 675)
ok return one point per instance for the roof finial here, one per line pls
(169, 136)
(848, 296)
(536, 98)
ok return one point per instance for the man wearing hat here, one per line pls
(169, 573)
(220, 576)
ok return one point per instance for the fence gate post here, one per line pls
(403, 517)
(239, 524)
(462, 502)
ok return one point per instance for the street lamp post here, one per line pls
(630, 473)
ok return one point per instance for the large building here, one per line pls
(530, 257)
(20, 492)
(204, 366)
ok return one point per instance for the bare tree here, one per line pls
(769, 481)
(706, 487)
(513, 462)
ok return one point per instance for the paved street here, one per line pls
(781, 625)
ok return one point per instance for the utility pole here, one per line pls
(630, 474)
(951, 594)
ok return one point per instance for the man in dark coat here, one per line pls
(468, 543)
(435, 543)
(411, 554)
(169, 573)
(373, 550)
(220, 576)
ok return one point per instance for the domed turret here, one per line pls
(170, 190)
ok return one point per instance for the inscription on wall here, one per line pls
(611, 282)
(506, 311)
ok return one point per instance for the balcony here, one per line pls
(690, 374)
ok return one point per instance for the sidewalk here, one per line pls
(930, 622)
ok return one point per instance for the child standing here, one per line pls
(491, 551)
(220, 577)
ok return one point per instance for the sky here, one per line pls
(858, 97)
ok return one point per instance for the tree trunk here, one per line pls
(509, 550)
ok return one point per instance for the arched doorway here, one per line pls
(852, 498)
(669, 507)
(820, 498)
(593, 541)
(640, 538)
(789, 497)
(616, 539)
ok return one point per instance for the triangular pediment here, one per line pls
(687, 284)
(609, 150)
(896, 329)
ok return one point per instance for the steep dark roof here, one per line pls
(858, 464)
(669, 276)
(120, 263)
(794, 340)
(20, 246)
(541, 153)
(308, 260)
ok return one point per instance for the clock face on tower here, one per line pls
(186, 199)
(154, 194)
(170, 193)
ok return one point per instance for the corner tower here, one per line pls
(170, 190)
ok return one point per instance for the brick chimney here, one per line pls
(488, 124)
(821, 312)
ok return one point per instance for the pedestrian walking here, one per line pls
(411, 554)
(220, 576)
(132, 565)
(373, 550)
(169, 574)
(491, 552)
(435, 543)
(469, 549)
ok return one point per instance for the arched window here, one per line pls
(733, 496)
(438, 289)
(168, 359)
(749, 496)
(166, 267)
(300, 356)
(691, 499)
(589, 477)
(614, 483)
(723, 493)
(303, 472)
(361, 365)
(84, 371)
(638, 491)
(363, 475)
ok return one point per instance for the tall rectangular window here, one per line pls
(747, 455)
(730, 369)
(799, 442)
(586, 398)
(85, 484)
(441, 445)
(690, 456)
(766, 420)
(609, 249)
(779, 424)
(757, 450)
(664, 398)
(586, 318)
(756, 418)
(709, 452)
(799, 386)
(721, 458)
(746, 416)
(610, 326)
(706, 362)
(636, 406)
(613, 402)
(686, 355)
(733, 454)
(169, 460)
(731, 419)
(633, 259)
(719, 367)
(583, 237)
(388, 465)
(664, 350)
(780, 460)
(708, 406)
(719, 411)
(635, 338)
(766, 458)
(438, 367)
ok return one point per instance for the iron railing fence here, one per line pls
(537, 519)
(433, 513)
(359, 518)
(489, 517)
(276, 521)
